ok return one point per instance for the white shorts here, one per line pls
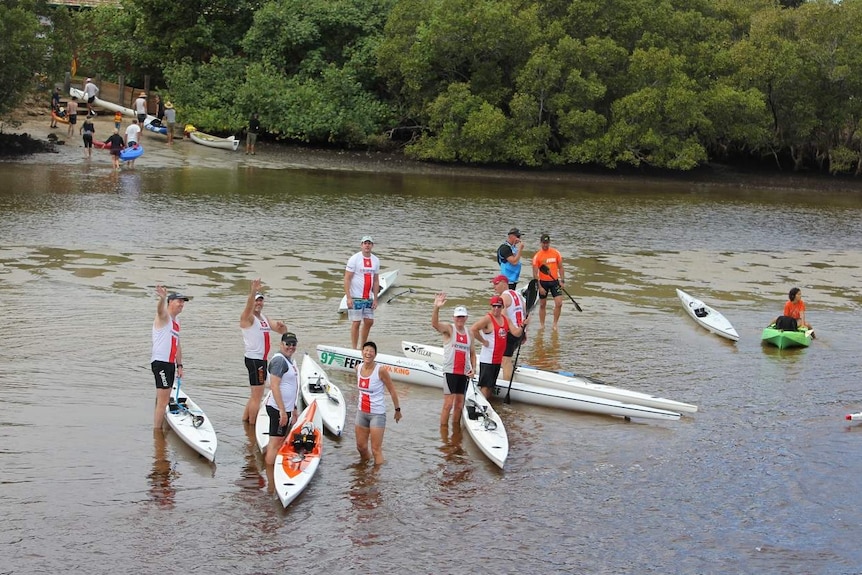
(361, 310)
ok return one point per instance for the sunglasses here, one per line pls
(291, 344)
(496, 305)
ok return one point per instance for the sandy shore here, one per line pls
(276, 155)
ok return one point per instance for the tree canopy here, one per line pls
(670, 84)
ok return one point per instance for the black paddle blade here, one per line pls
(531, 294)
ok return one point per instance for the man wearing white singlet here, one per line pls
(459, 357)
(167, 358)
(361, 286)
(255, 336)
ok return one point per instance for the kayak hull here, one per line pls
(563, 381)
(484, 426)
(707, 317)
(315, 385)
(783, 339)
(191, 424)
(296, 466)
(429, 374)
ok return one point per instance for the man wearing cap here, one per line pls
(515, 310)
(492, 331)
(459, 357)
(509, 257)
(361, 285)
(550, 282)
(284, 378)
(167, 358)
(90, 92)
(255, 335)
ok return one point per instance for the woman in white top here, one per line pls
(371, 410)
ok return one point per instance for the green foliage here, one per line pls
(30, 48)
(115, 52)
(205, 94)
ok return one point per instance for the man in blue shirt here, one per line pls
(509, 257)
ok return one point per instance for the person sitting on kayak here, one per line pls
(795, 308)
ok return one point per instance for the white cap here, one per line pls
(367, 239)
(460, 311)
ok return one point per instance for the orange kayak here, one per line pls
(299, 457)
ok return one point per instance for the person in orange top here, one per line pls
(550, 283)
(795, 308)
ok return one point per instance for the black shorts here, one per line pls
(512, 343)
(488, 374)
(165, 373)
(456, 384)
(91, 99)
(73, 119)
(88, 140)
(275, 430)
(256, 371)
(551, 287)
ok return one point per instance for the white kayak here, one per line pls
(299, 457)
(261, 426)
(485, 426)
(431, 374)
(853, 416)
(563, 381)
(387, 280)
(190, 423)
(114, 108)
(707, 317)
(314, 384)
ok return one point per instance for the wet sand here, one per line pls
(279, 155)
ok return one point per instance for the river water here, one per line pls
(765, 478)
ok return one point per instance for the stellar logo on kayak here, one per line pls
(418, 349)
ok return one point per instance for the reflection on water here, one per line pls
(163, 474)
(81, 250)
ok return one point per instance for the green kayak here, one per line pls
(784, 339)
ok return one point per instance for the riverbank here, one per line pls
(54, 146)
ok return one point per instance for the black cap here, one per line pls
(289, 337)
(545, 238)
(174, 295)
(515, 231)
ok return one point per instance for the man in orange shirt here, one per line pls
(551, 282)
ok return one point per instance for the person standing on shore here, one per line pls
(251, 134)
(90, 93)
(551, 282)
(459, 357)
(55, 106)
(167, 358)
(88, 130)
(170, 119)
(141, 108)
(492, 331)
(118, 120)
(370, 423)
(361, 286)
(72, 114)
(160, 108)
(255, 336)
(509, 257)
